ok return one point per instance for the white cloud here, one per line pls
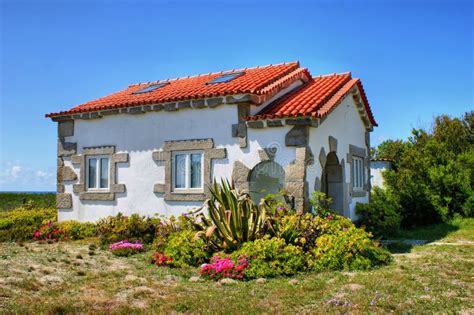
(17, 177)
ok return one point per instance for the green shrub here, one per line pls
(131, 228)
(347, 249)
(381, 216)
(20, 224)
(76, 230)
(433, 175)
(271, 257)
(185, 249)
(10, 201)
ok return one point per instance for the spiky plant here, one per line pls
(233, 217)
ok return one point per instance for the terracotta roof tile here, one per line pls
(254, 81)
(317, 96)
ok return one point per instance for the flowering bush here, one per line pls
(271, 257)
(134, 228)
(20, 224)
(185, 249)
(224, 267)
(49, 231)
(125, 248)
(161, 259)
(76, 230)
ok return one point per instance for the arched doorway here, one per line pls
(331, 183)
(266, 178)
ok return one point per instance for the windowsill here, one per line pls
(186, 195)
(97, 195)
(188, 191)
(359, 193)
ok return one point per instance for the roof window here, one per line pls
(225, 78)
(150, 88)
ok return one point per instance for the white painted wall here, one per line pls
(344, 124)
(140, 135)
(376, 169)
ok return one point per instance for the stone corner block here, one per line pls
(66, 148)
(63, 201)
(66, 128)
(65, 173)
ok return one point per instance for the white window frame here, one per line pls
(98, 172)
(187, 174)
(358, 173)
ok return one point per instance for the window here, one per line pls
(187, 170)
(225, 78)
(150, 88)
(358, 173)
(97, 173)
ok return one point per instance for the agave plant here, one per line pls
(233, 218)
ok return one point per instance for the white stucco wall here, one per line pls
(140, 135)
(376, 169)
(344, 124)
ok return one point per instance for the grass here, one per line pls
(63, 277)
(10, 201)
(456, 229)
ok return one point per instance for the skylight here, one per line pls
(150, 88)
(225, 78)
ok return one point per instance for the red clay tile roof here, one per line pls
(316, 98)
(258, 81)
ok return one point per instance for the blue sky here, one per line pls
(415, 58)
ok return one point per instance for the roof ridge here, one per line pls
(216, 72)
(333, 74)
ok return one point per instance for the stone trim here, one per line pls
(114, 187)
(267, 154)
(362, 153)
(332, 144)
(209, 102)
(358, 193)
(165, 156)
(63, 201)
(305, 121)
(65, 128)
(295, 175)
(65, 173)
(66, 148)
(98, 196)
(298, 136)
(240, 129)
(295, 178)
(241, 176)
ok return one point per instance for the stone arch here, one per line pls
(332, 181)
(266, 177)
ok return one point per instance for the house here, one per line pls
(377, 167)
(154, 147)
